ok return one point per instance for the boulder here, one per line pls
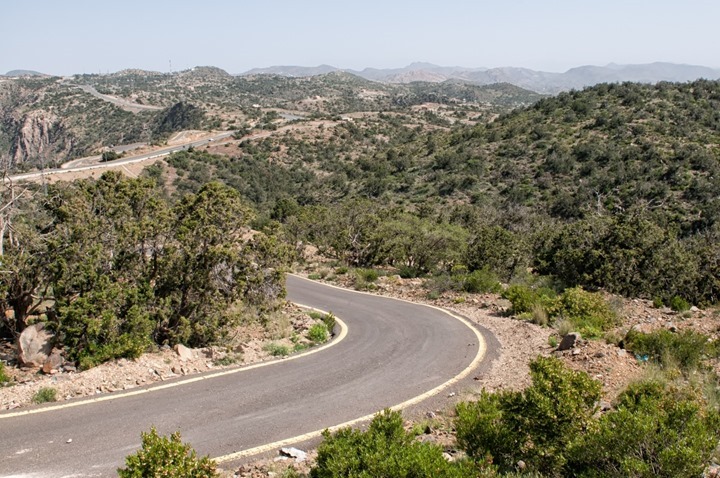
(53, 362)
(184, 353)
(569, 341)
(34, 346)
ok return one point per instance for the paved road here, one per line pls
(394, 351)
(120, 102)
(129, 160)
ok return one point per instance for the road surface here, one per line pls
(158, 153)
(393, 352)
(120, 102)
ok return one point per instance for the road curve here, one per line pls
(158, 153)
(394, 351)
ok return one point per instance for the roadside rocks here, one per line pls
(54, 361)
(569, 341)
(291, 452)
(185, 353)
(34, 346)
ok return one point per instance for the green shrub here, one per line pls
(44, 395)
(434, 295)
(521, 297)
(367, 275)
(678, 304)
(228, 359)
(654, 431)
(314, 276)
(442, 283)
(481, 280)
(318, 333)
(314, 314)
(586, 312)
(535, 425)
(685, 349)
(524, 299)
(589, 312)
(276, 350)
(106, 323)
(384, 450)
(408, 272)
(329, 321)
(163, 456)
(3, 374)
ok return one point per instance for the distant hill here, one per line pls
(24, 73)
(538, 81)
(292, 71)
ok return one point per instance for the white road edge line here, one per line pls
(413, 401)
(336, 340)
(307, 436)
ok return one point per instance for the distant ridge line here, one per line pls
(538, 81)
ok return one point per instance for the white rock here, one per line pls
(299, 455)
(184, 353)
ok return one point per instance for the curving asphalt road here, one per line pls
(133, 159)
(394, 351)
(117, 101)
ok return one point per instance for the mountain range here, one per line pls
(538, 81)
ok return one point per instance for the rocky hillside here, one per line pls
(45, 122)
(616, 187)
(334, 92)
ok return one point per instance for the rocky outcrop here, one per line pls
(37, 135)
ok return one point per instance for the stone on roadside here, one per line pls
(299, 455)
(53, 362)
(184, 353)
(34, 346)
(569, 341)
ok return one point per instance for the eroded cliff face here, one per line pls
(46, 122)
(33, 133)
(39, 139)
(26, 134)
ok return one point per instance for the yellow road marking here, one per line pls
(413, 401)
(307, 436)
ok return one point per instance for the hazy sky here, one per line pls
(73, 36)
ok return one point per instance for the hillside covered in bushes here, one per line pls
(613, 187)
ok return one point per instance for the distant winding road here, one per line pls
(119, 102)
(394, 353)
(158, 153)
